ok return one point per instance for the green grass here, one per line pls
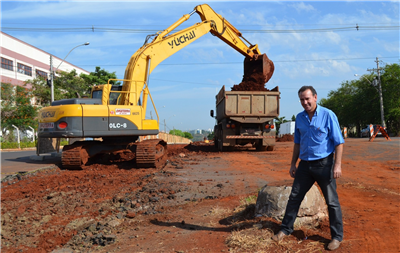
(14, 145)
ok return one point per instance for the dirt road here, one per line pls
(202, 201)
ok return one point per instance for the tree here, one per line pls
(176, 132)
(16, 108)
(356, 102)
(40, 91)
(188, 135)
(100, 76)
(391, 97)
(293, 118)
(6, 105)
(68, 85)
(278, 122)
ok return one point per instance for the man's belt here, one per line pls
(319, 160)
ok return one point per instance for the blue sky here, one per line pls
(184, 86)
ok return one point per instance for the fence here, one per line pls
(169, 138)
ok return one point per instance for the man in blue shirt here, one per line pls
(317, 138)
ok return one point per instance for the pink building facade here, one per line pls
(21, 61)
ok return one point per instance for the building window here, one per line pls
(41, 73)
(23, 69)
(6, 64)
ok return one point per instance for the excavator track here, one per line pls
(150, 153)
(74, 158)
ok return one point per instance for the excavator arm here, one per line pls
(150, 55)
(227, 32)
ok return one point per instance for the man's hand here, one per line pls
(337, 171)
(337, 167)
(292, 171)
(295, 157)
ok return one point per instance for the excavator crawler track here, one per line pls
(149, 153)
(73, 158)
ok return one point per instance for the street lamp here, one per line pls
(52, 72)
(379, 89)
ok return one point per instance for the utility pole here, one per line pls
(378, 71)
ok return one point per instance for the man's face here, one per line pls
(308, 101)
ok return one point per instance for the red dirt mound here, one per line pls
(285, 137)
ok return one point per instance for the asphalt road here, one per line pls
(20, 161)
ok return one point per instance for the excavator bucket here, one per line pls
(259, 69)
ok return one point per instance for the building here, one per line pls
(21, 61)
(287, 128)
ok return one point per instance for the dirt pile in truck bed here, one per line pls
(257, 73)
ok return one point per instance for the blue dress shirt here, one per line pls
(319, 137)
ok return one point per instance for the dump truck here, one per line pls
(246, 118)
(115, 117)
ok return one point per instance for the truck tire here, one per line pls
(261, 148)
(221, 147)
(270, 148)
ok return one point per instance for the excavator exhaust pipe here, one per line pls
(259, 68)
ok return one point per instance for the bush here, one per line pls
(12, 145)
(25, 144)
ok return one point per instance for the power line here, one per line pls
(162, 25)
(230, 63)
(127, 30)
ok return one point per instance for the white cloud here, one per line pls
(359, 16)
(318, 66)
(392, 47)
(83, 10)
(333, 37)
(301, 7)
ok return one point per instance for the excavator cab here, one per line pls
(97, 92)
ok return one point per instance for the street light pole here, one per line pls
(52, 72)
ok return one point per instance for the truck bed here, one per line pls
(247, 104)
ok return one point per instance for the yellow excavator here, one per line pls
(116, 114)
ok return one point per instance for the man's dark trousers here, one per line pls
(307, 173)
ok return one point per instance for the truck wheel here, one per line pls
(270, 148)
(220, 145)
(221, 148)
(261, 148)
